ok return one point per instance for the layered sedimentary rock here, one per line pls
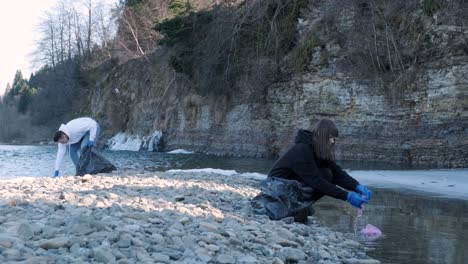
(424, 123)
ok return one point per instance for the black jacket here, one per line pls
(300, 163)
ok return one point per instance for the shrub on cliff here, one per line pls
(230, 43)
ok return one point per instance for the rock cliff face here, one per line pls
(426, 123)
(428, 126)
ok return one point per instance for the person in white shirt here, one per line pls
(76, 134)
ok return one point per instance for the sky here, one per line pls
(18, 22)
(18, 28)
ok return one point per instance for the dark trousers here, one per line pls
(282, 197)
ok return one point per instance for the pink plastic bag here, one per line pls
(371, 230)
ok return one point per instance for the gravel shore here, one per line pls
(155, 218)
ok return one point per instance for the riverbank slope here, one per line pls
(159, 217)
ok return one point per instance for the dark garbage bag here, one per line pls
(91, 162)
(280, 198)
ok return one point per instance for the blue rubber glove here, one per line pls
(364, 191)
(355, 199)
(90, 143)
(56, 173)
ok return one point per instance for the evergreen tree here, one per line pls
(7, 91)
(25, 97)
(20, 94)
(18, 83)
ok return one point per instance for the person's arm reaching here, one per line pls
(309, 173)
(93, 131)
(341, 178)
(62, 149)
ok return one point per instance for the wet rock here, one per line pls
(351, 243)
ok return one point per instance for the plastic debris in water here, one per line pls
(371, 231)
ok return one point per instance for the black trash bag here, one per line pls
(91, 162)
(280, 198)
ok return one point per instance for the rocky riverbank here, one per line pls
(155, 218)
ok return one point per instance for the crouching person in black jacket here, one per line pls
(304, 174)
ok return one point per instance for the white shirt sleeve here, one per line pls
(62, 149)
(93, 131)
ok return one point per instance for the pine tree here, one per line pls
(20, 93)
(7, 91)
(18, 83)
(25, 97)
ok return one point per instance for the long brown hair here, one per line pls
(322, 131)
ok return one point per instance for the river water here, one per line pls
(417, 227)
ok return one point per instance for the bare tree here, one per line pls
(89, 4)
(71, 29)
(135, 35)
(104, 26)
(45, 52)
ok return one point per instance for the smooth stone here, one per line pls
(157, 238)
(324, 254)
(86, 178)
(350, 243)
(7, 241)
(75, 249)
(48, 231)
(225, 259)
(159, 257)
(54, 243)
(142, 254)
(12, 253)
(82, 230)
(277, 261)
(41, 259)
(291, 254)
(25, 231)
(179, 198)
(361, 261)
(104, 255)
(213, 248)
(125, 241)
(137, 242)
(184, 220)
(248, 259)
(210, 227)
(118, 255)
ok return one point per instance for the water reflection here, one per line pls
(416, 228)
